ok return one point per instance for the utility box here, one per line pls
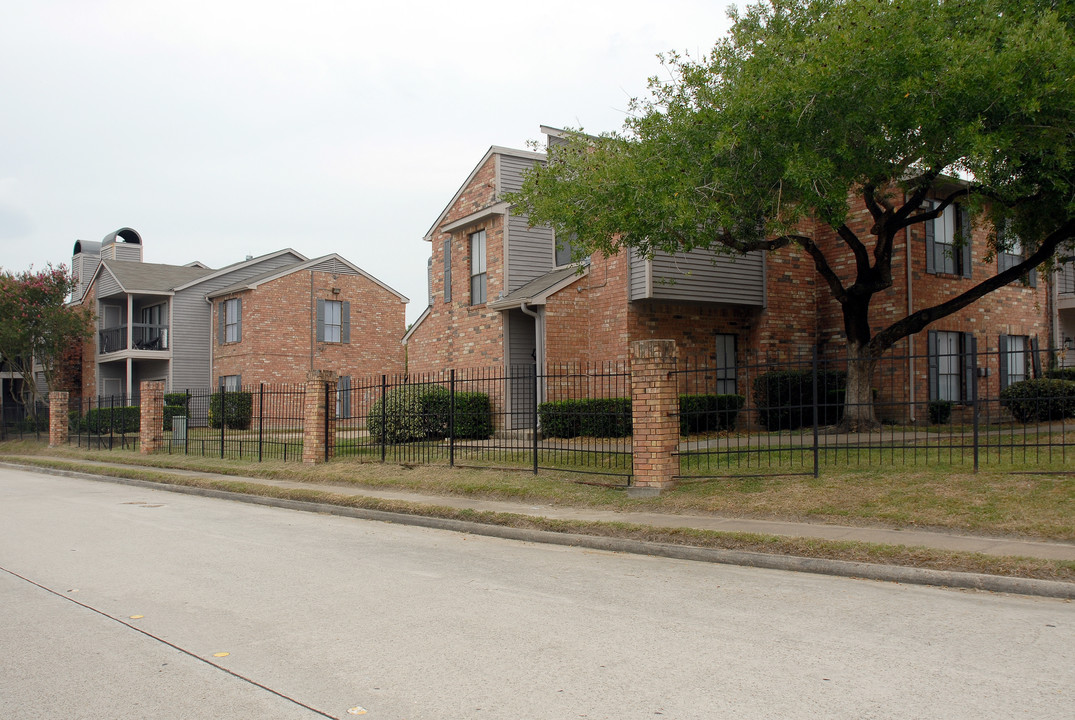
(179, 427)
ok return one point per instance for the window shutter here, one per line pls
(448, 270)
(931, 263)
(931, 344)
(1002, 346)
(220, 325)
(1001, 250)
(320, 321)
(238, 382)
(345, 322)
(239, 320)
(1032, 278)
(970, 366)
(344, 388)
(1035, 357)
(965, 234)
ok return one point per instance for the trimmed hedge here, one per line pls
(413, 412)
(1067, 373)
(103, 421)
(597, 417)
(784, 398)
(1040, 399)
(238, 410)
(708, 413)
(940, 412)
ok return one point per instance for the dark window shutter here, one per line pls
(320, 321)
(931, 264)
(970, 367)
(239, 320)
(1002, 346)
(344, 388)
(1035, 357)
(345, 322)
(238, 382)
(220, 325)
(965, 235)
(448, 270)
(931, 343)
(1032, 278)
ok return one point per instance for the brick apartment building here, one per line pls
(164, 322)
(502, 294)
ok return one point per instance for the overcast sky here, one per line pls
(224, 129)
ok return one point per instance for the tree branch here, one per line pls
(821, 264)
(862, 256)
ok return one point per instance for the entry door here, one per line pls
(522, 359)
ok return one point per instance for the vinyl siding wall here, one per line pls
(702, 276)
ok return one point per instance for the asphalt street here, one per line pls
(120, 602)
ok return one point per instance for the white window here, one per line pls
(232, 321)
(231, 382)
(949, 367)
(333, 320)
(1014, 359)
(477, 268)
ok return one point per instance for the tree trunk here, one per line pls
(859, 414)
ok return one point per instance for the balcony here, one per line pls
(143, 337)
(1065, 286)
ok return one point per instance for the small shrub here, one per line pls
(237, 412)
(403, 419)
(1067, 373)
(473, 415)
(1040, 399)
(103, 421)
(940, 412)
(784, 398)
(594, 417)
(708, 413)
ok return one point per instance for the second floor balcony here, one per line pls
(143, 336)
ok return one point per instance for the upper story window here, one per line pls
(230, 327)
(477, 268)
(1010, 252)
(333, 321)
(948, 242)
(564, 246)
(448, 270)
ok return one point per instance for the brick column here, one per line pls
(319, 384)
(58, 424)
(151, 423)
(653, 413)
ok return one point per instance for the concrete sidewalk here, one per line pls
(937, 540)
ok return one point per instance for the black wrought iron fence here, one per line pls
(257, 422)
(574, 418)
(17, 421)
(954, 405)
(106, 422)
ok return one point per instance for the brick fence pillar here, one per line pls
(654, 416)
(58, 424)
(319, 417)
(151, 423)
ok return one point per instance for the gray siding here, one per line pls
(332, 265)
(706, 276)
(107, 285)
(521, 346)
(530, 252)
(191, 324)
(511, 172)
(636, 290)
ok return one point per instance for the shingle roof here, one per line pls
(540, 287)
(152, 277)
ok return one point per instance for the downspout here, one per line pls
(212, 337)
(910, 309)
(313, 321)
(539, 344)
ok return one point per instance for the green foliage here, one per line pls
(595, 417)
(37, 327)
(1067, 373)
(237, 413)
(708, 413)
(785, 398)
(416, 412)
(1039, 400)
(112, 420)
(940, 412)
(174, 404)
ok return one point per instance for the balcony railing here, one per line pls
(143, 337)
(1065, 280)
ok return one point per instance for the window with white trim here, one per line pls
(1014, 359)
(232, 320)
(333, 320)
(725, 364)
(477, 268)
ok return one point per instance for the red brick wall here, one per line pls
(278, 324)
(458, 334)
(89, 347)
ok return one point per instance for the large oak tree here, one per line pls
(810, 107)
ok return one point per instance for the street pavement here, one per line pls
(117, 600)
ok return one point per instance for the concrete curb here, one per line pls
(840, 568)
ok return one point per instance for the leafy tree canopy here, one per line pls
(809, 105)
(36, 326)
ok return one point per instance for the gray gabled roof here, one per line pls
(344, 263)
(135, 277)
(537, 291)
